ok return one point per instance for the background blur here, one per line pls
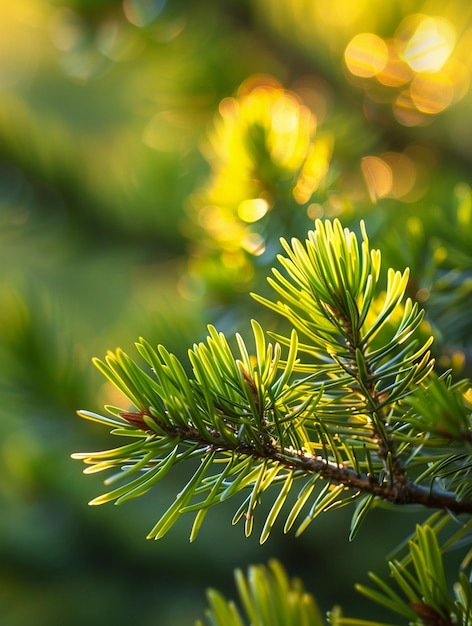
(151, 155)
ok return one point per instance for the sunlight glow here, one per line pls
(366, 55)
(431, 44)
(378, 177)
(19, 42)
(254, 244)
(395, 71)
(405, 111)
(418, 61)
(262, 135)
(253, 210)
(432, 93)
(338, 13)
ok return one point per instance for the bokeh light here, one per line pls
(417, 66)
(366, 55)
(142, 12)
(253, 209)
(390, 175)
(431, 93)
(405, 110)
(395, 72)
(425, 42)
(378, 176)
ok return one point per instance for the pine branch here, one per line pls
(401, 493)
(424, 593)
(267, 596)
(333, 280)
(353, 417)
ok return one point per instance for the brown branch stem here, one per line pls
(407, 492)
(399, 492)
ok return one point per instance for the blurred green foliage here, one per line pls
(122, 215)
